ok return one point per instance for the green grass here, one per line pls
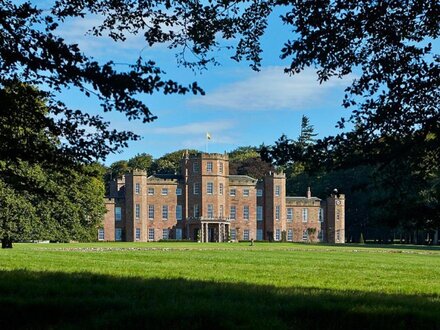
(219, 286)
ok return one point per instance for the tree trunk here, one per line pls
(6, 243)
(435, 240)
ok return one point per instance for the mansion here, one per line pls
(204, 203)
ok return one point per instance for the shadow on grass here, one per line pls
(84, 300)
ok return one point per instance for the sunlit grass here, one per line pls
(382, 286)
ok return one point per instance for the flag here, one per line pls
(208, 136)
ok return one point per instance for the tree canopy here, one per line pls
(394, 97)
(387, 45)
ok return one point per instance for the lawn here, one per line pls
(219, 286)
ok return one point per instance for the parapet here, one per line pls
(214, 156)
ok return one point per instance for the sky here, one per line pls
(241, 107)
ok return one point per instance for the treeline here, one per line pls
(44, 195)
(385, 203)
(392, 200)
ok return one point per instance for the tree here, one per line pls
(395, 94)
(17, 215)
(247, 161)
(170, 163)
(291, 154)
(39, 200)
(243, 153)
(118, 169)
(31, 52)
(307, 136)
(394, 98)
(142, 161)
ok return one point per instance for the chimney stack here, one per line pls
(309, 193)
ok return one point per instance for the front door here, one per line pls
(211, 234)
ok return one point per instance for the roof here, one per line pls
(164, 177)
(242, 179)
(299, 200)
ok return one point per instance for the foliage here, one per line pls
(118, 169)
(241, 154)
(32, 52)
(291, 154)
(40, 199)
(142, 161)
(17, 216)
(171, 162)
(387, 42)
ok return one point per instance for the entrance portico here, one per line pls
(209, 229)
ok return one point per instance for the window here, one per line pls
(209, 167)
(290, 235)
(118, 213)
(196, 167)
(150, 191)
(151, 234)
(233, 234)
(305, 235)
(220, 189)
(321, 215)
(118, 234)
(210, 188)
(277, 212)
(232, 192)
(151, 212)
(165, 234)
(246, 234)
(178, 191)
(138, 188)
(178, 233)
(289, 214)
(164, 191)
(246, 212)
(259, 234)
(320, 235)
(278, 235)
(138, 211)
(233, 212)
(101, 234)
(305, 215)
(196, 211)
(277, 190)
(196, 188)
(138, 234)
(165, 212)
(259, 192)
(246, 192)
(220, 167)
(221, 211)
(259, 213)
(210, 211)
(178, 212)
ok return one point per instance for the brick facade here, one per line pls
(205, 203)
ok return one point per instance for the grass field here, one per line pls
(219, 286)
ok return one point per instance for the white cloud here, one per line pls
(193, 135)
(272, 89)
(77, 30)
(197, 128)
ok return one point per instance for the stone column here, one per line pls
(220, 233)
(202, 234)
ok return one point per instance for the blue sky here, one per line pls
(241, 107)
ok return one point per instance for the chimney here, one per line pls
(309, 193)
